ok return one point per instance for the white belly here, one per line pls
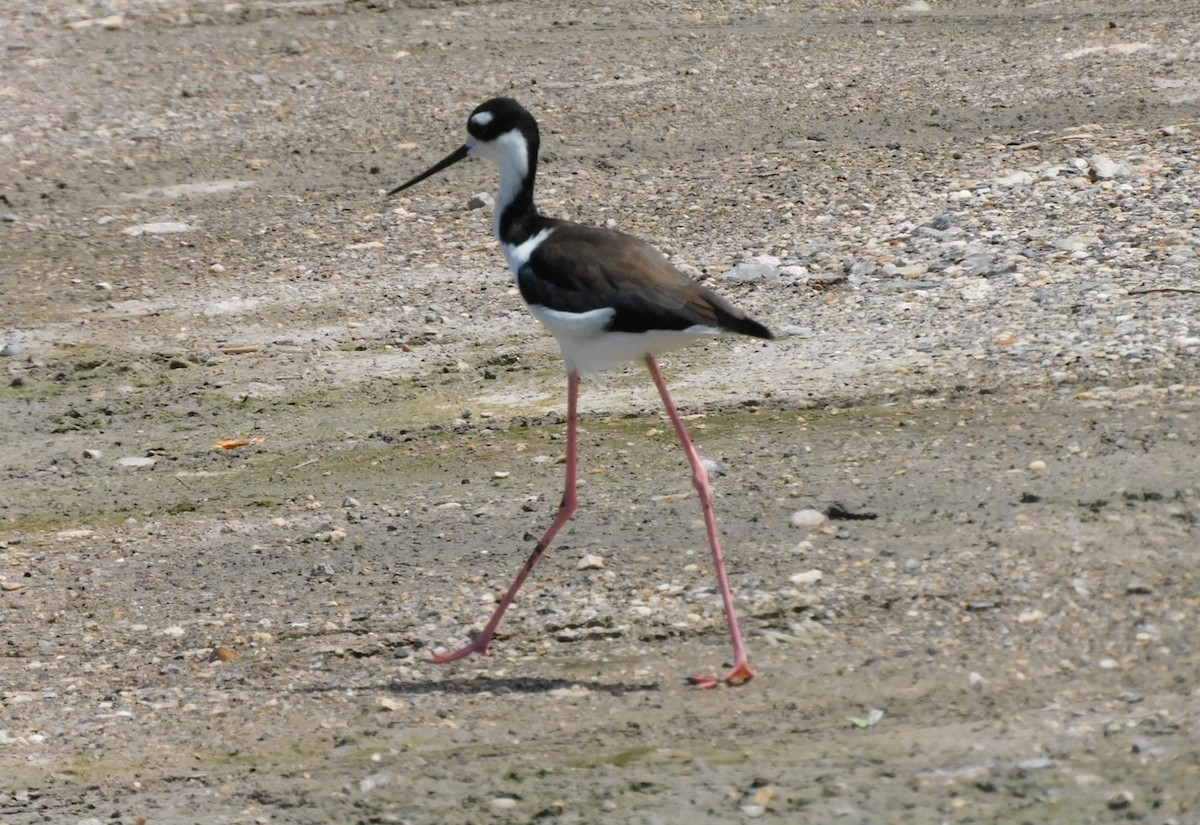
(588, 348)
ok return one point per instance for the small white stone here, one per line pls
(807, 519)
(807, 577)
(137, 461)
(375, 780)
(1102, 167)
(157, 228)
(1030, 616)
(1037, 466)
(590, 561)
(67, 535)
(1015, 179)
(503, 803)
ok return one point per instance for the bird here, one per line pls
(608, 298)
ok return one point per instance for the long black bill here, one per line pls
(450, 159)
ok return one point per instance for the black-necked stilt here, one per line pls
(608, 298)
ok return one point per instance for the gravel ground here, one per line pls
(959, 494)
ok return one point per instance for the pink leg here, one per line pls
(741, 671)
(480, 643)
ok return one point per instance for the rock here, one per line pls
(479, 200)
(1102, 167)
(1035, 763)
(807, 577)
(375, 780)
(761, 268)
(92, 454)
(807, 519)
(9, 350)
(137, 462)
(979, 289)
(1120, 800)
(67, 535)
(157, 228)
(986, 264)
(1021, 178)
(590, 561)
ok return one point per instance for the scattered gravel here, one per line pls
(976, 239)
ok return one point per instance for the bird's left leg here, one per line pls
(569, 501)
(741, 671)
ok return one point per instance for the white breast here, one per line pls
(588, 348)
(518, 255)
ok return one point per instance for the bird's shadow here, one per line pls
(486, 684)
(515, 684)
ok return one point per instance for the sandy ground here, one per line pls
(996, 622)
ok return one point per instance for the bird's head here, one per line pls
(500, 130)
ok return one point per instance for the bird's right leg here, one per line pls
(569, 501)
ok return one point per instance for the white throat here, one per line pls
(510, 153)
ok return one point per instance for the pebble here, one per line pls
(807, 519)
(375, 780)
(137, 462)
(807, 577)
(503, 803)
(590, 561)
(1035, 763)
(1037, 466)
(1102, 167)
(480, 200)
(79, 533)
(90, 453)
(1120, 800)
(157, 228)
(764, 268)
(712, 466)
(9, 350)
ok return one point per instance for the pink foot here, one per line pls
(740, 674)
(478, 645)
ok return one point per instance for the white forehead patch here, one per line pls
(482, 118)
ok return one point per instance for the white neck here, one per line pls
(510, 153)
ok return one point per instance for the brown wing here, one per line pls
(587, 268)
